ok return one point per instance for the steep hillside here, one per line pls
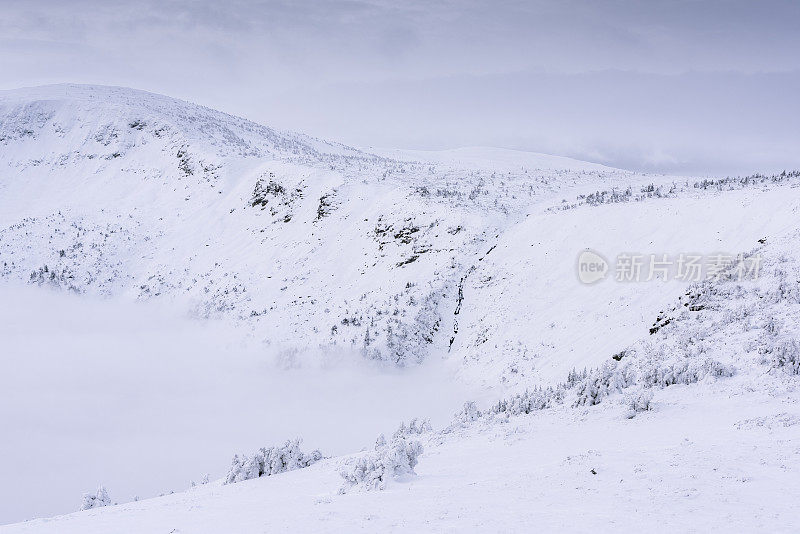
(114, 191)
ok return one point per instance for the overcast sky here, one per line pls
(682, 86)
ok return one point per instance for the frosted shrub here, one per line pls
(375, 469)
(616, 375)
(772, 326)
(639, 400)
(97, 500)
(687, 371)
(203, 480)
(530, 401)
(613, 377)
(263, 190)
(463, 417)
(574, 377)
(786, 291)
(271, 461)
(785, 354)
(415, 427)
(739, 182)
(524, 403)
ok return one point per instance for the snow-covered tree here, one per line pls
(271, 461)
(415, 427)
(375, 469)
(639, 400)
(96, 500)
(783, 353)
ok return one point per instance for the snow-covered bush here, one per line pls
(784, 354)
(739, 182)
(785, 291)
(639, 400)
(325, 205)
(615, 196)
(271, 461)
(521, 403)
(574, 377)
(613, 376)
(264, 189)
(530, 401)
(96, 500)
(375, 469)
(203, 480)
(465, 416)
(415, 428)
(772, 326)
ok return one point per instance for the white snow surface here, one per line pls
(229, 287)
(708, 460)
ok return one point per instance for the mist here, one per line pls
(143, 399)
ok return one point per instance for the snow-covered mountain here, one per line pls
(115, 191)
(405, 258)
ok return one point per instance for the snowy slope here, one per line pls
(458, 266)
(720, 454)
(114, 191)
(690, 467)
(544, 322)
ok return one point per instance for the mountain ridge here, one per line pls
(219, 192)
